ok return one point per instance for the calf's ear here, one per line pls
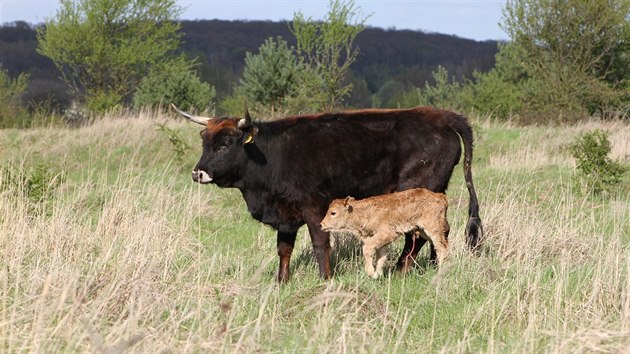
(346, 204)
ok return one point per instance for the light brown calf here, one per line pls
(379, 220)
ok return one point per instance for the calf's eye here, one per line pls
(333, 213)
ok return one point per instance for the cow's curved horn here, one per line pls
(246, 121)
(197, 119)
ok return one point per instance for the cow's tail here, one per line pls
(474, 229)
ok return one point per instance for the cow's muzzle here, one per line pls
(200, 176)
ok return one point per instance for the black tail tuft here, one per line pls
(474, 232)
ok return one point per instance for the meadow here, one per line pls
(106, 245)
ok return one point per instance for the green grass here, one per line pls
(128, 253)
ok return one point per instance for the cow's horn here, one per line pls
(199, 120)
(247, 121)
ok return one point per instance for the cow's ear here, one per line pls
(249, 134)
(246, 126)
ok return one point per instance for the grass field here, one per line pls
(106, 245)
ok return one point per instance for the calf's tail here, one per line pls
(474, 229)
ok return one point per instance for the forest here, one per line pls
(401, 58)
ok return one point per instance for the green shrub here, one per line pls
(232, 106)
(36, 182)
(442, 93)
(180, 147)
(178, 83)
(12, 113)
(393, 94)
(99, 101)
(45, 113)
(489, 93)
(590, 151)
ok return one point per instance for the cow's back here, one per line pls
(371, 152)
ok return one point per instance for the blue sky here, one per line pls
(465, 18)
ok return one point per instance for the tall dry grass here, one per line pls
(127, 255)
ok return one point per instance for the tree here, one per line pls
(500, 91)
(442, 93)
(327, 49)
(103, 48)
(390, 95)
(574, 50)
(271, 75)
(174, 82)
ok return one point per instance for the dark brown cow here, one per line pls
(289, 170)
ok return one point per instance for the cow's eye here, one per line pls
(222, 145)
(333, 213)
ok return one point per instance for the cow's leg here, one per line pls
(286, 241)
(413, 244)
(321, 248)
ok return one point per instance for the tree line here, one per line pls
(564, 61)
(214, 52)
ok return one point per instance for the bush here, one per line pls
(441, 94)
(393, 93)
(101, 101)
(12, 114)
(178, 145)
(36, 182)
(175, 82)
(490, 94)
(596, 169)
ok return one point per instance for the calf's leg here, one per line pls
(381, 258)
(368, 255)
(376, 245)
(438, 233)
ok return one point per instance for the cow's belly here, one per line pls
(274, 211)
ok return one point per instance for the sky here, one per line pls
(474, 19)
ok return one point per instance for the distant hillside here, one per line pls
(401, 56)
